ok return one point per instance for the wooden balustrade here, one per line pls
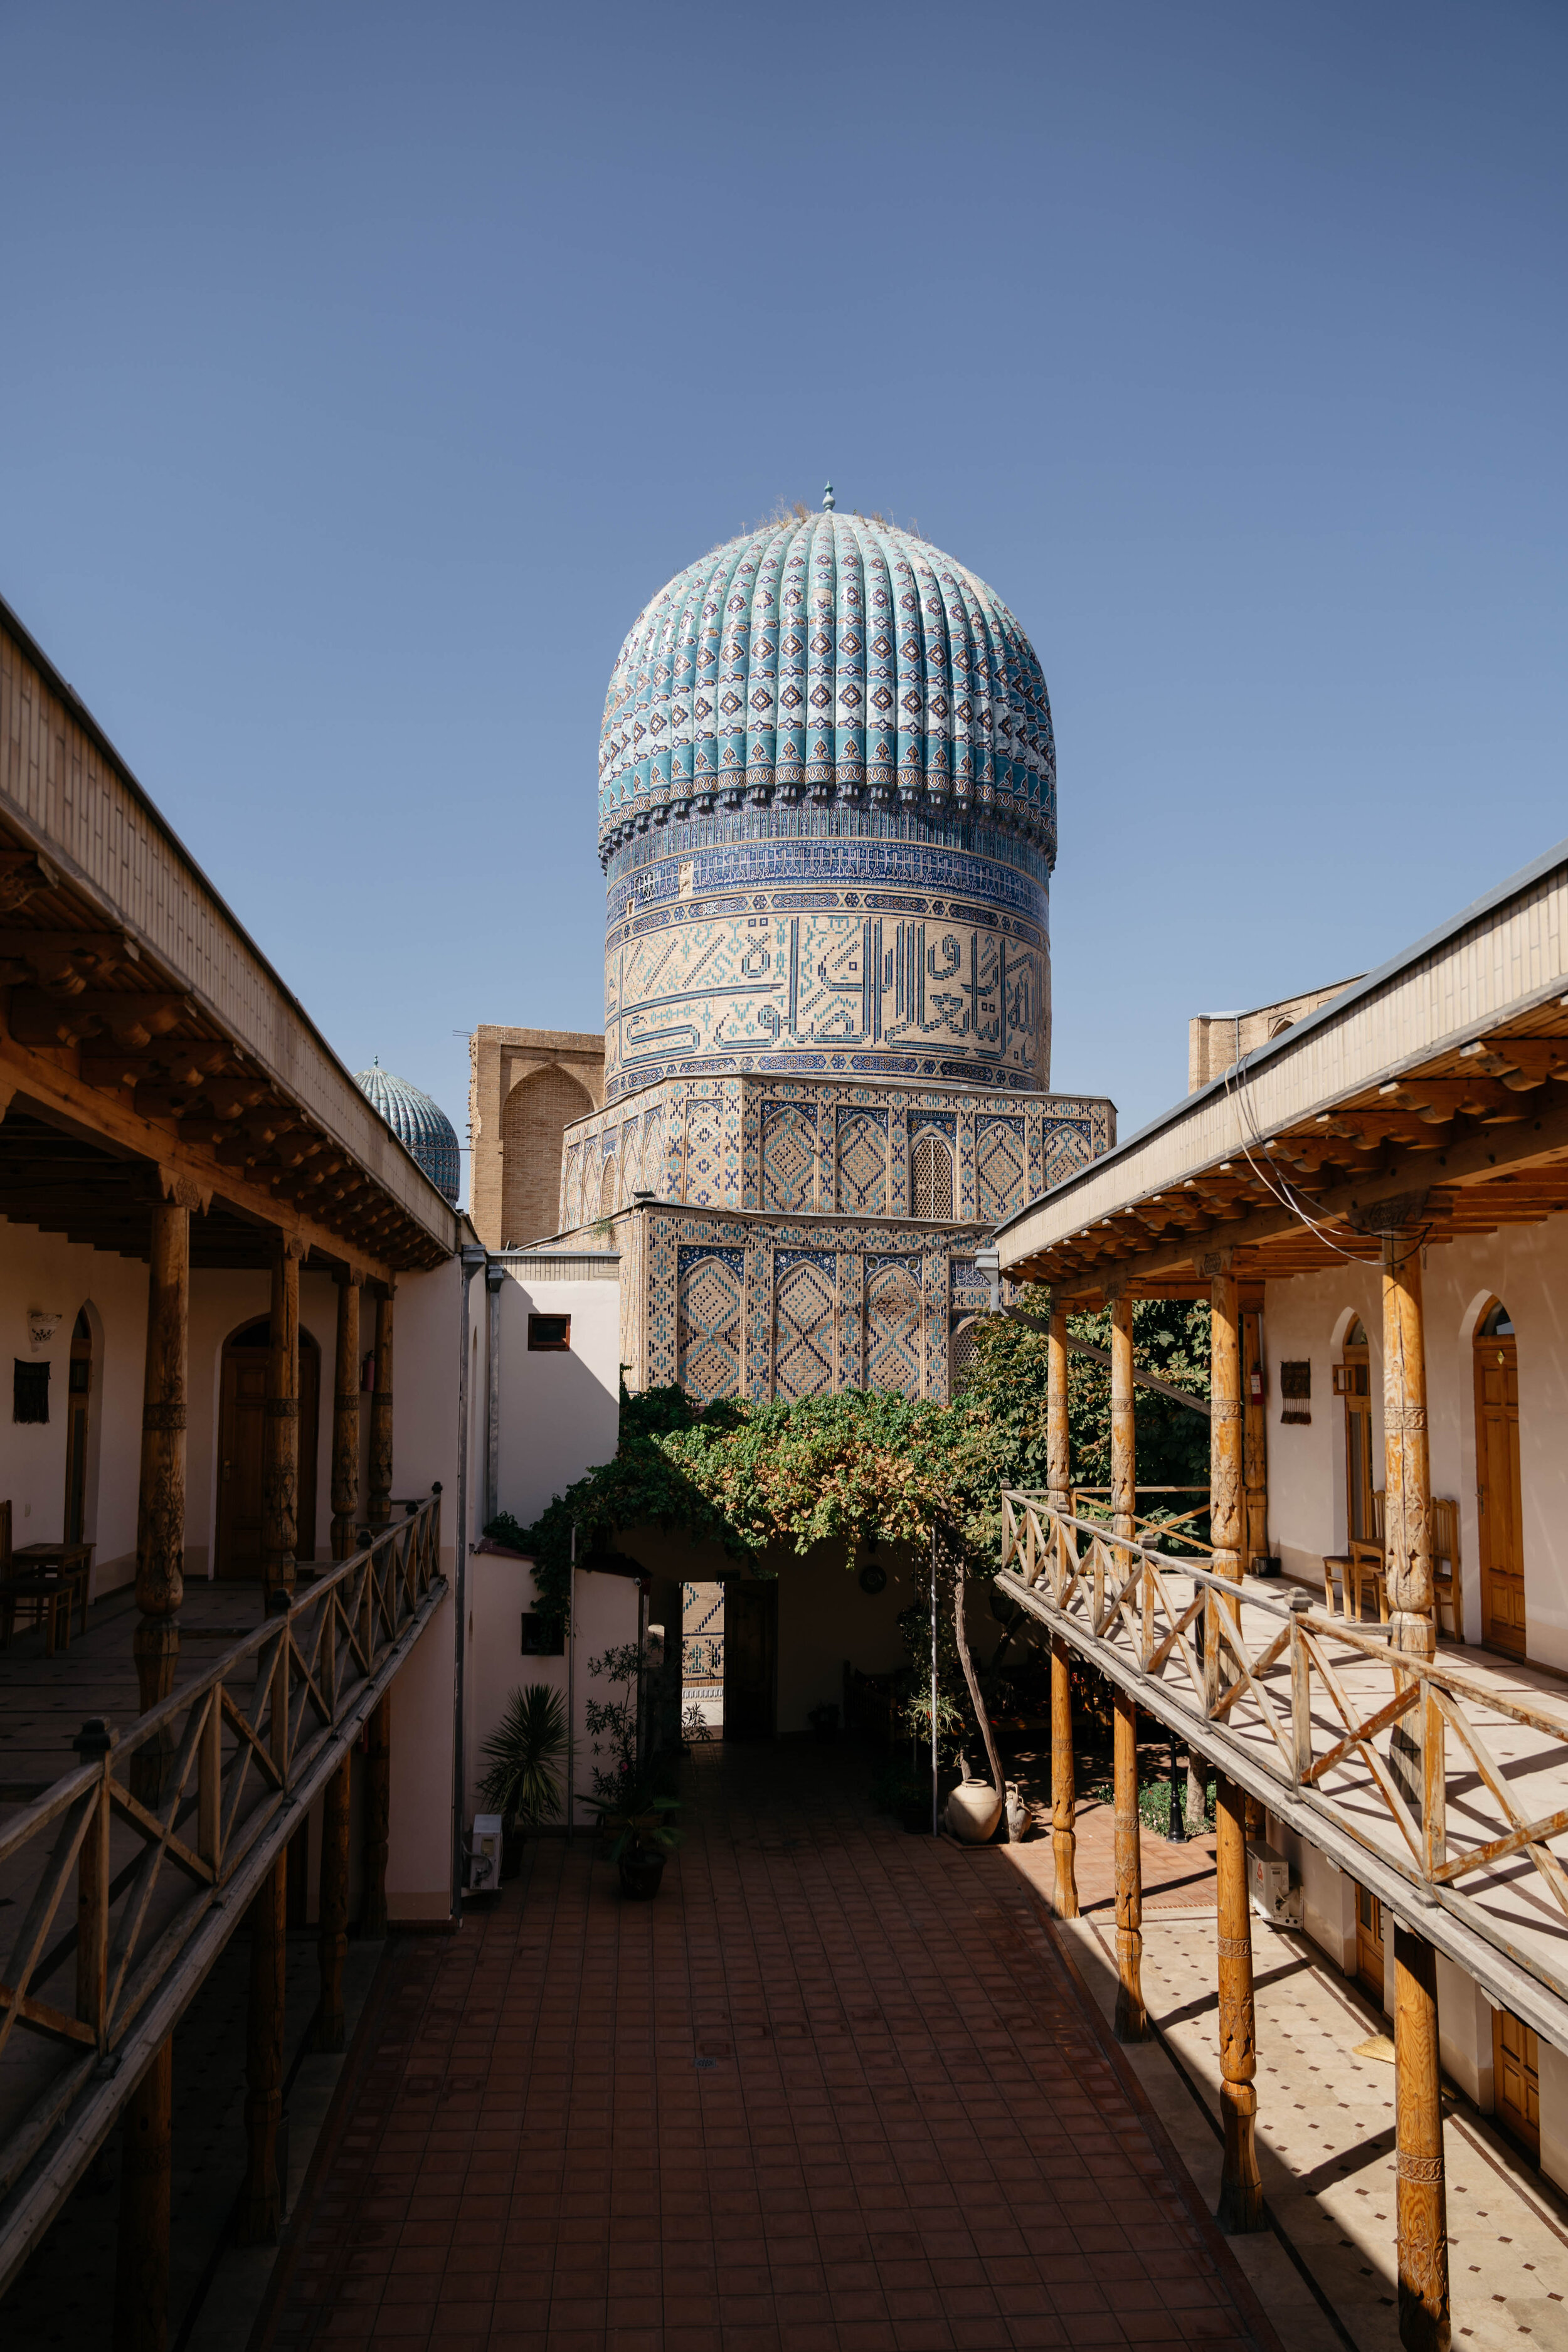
(247, 1742)
(1278, 1696)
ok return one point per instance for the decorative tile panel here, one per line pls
(892, 1316)
(711, 1294)
(789, 1155)
(863, 1162)
(1001, 1167)
(804, 1303)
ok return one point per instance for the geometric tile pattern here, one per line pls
(789, 1155)
(804, 1304)
(1001, 1166)
(711, 1295)
(893, 1325)
(863, 1162)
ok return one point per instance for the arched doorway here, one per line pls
(1353, 1381)
(78, 1400)
(534, 1116)
(242, 1412)
(1497, 1482)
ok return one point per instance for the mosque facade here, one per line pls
(828, 827)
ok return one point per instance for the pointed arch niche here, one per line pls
(534, 1118)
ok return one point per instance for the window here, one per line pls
(1499, 1324)
(932, 1178)
(29, 1391)
(549, 1334)
(542, 1637)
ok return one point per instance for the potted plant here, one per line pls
(636, 1819)
(526, 1753)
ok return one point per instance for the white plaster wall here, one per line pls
(499, 1589)
(428, 1363)
(419, 1844)
(1464, 2032)
(823, 1619)
(1327, 1896)
(49, 1271)
(1554, 2115)
(1527, 1267)
(559, 1412)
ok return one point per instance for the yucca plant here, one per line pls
(527, 1753)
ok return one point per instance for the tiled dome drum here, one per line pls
(827, 817)
(417, 1121)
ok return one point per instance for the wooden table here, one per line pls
(73, 1562)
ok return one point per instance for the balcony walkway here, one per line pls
(835, 2091)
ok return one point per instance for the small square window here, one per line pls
(542, 1637)
(550, 1331)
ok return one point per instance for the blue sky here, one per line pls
(366, 368)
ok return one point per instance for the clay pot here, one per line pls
(1020, 1820)
(640, 1876)
(973, 1810)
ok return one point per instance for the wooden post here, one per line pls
(92, 1743)
(1057, 1470)
(1253, 1443)
(1225, 1423)
(380, 1416)
(1063, 1836)
(345, 1417)
(1241, 2184)
(333, 1941)
(1422, 2198)
(378, 1815)
(260, 2211)
(280, 1427)
(141, 2253)
(1124, 1450)
(1407, 1486)
(161, 1491)
(1131, 2018)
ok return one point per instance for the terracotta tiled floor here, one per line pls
(833, 2088)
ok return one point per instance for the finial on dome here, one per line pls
(829, 500)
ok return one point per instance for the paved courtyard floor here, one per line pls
(836, 2088)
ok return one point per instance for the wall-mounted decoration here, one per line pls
(1296, 1388)
(43, 1322)
(29, 1391)
(873, 1577)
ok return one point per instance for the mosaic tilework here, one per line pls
(701, 1141)
(894, 1324)
(1001, 1166)
(805, 1294)
(711, 1304)
(833, 658)
(789, 1155)
(862, 1158)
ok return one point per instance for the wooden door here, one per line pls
(750, 1652)
(1369, 1959)
(1516, 2079)
(242, 1413)
(78, 1397)
(1497, 1484)
(1356, 1381)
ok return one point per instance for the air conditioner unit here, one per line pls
(484, 1855)
(1269, 1885)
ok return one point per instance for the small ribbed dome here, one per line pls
(828, 658)
(420, 1123)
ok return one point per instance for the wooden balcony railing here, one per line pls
(131, 1872)
(1442, 1789)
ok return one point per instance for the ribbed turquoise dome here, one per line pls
(419, 1122)
(828, 659)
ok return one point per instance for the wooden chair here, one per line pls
(1338, 1562)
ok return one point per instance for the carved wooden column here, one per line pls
(141, 2250)
(160, 1493)
(1131, 2018)
(1059, 1493)
(1226, 1532)
(345, 1417)
(1123, 1443)
(1407, 1481)
(377, 1816)
(280, 1425)
(1422, 2198)
(1255, 1441)
(333, 1942)
(381, 1416)
(260, 2211)
(1064, 1793)
(1241, 2184)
